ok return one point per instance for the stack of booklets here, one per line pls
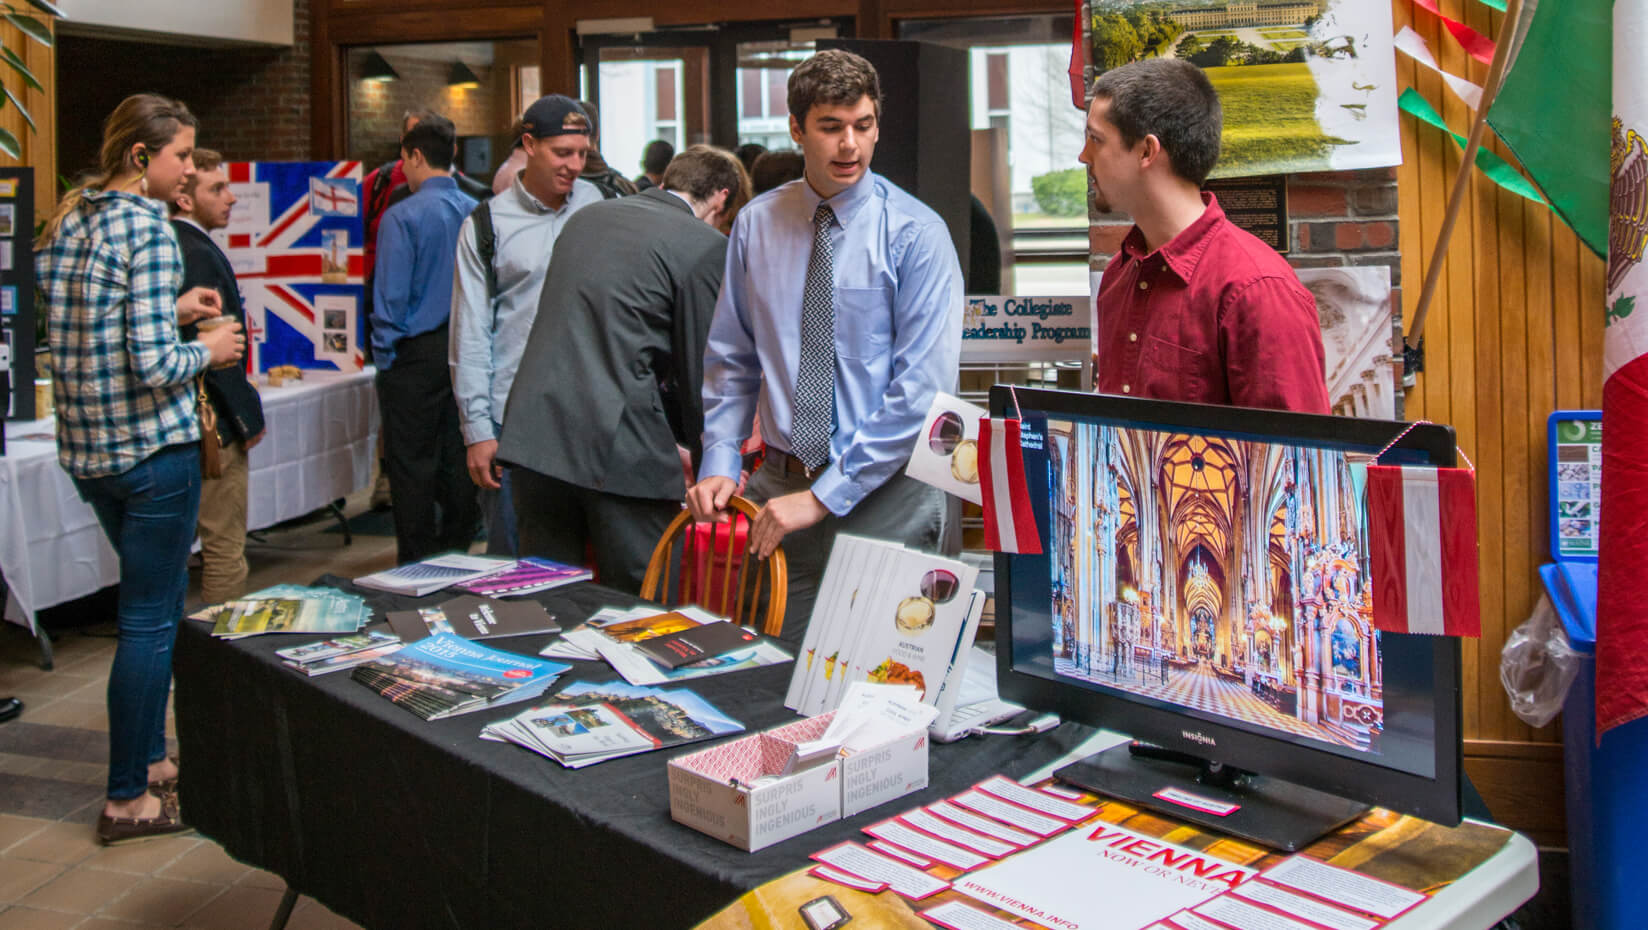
(446, 675)
(589, 723)
(442, 571)
(615, 635)
(885, 614)
(472, 618)
(335, 655)
(529, 575)
(288, 608)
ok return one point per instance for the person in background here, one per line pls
(505, 175)
(435, 505)
(203, 203)
(596, 170)
(1192, 308)
(748, 153)
(840, 319)
(773, 169)
(495, 296)
(110, 270)
(615, 359)
(654, 159)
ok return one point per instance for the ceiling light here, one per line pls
(377, 69)
(461, 76)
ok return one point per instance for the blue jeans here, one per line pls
(148, 513)
(498, 514)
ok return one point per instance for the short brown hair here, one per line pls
(833, 77)
(205, 160)
(702, 170)
(1171, 99)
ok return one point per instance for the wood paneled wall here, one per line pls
(39, 144)
(1515, 333)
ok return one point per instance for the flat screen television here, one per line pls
(1204, 588)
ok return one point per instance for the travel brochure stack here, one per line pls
(472, 618)
(616, 634)
(885, 614)
(335, 655)
(482, 575)
(446, 675)
(588, 723)
(287, 608)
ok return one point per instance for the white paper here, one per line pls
(911, 883)
(944, 830)
(1344, 886)
(897, 852)
(894, 831)
(1241, 915)
(1301, 906)
(992, 806)
(985, 825)
(959, 916)
(1010, 790)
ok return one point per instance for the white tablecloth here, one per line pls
(321, 443)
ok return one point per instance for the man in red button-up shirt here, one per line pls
(1192, 308)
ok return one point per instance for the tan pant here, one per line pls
(223, 529)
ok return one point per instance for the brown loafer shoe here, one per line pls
(166, 786)
(114, 831)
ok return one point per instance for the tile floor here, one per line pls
(53, 873)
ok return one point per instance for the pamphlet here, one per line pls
(420, 578)
(328, 614)
(528, 576)
(674, 650)
(473, 618)
(588, 723)
(946, 450)
(613, 634)
(445, 675)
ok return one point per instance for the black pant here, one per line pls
(555, 520)
(423, 452)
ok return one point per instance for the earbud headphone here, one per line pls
(143, 159)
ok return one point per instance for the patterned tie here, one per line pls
(815, 378)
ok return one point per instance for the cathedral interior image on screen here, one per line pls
(1226, 576)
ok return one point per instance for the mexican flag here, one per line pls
(1622, 580)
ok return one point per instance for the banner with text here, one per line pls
(1000, 328)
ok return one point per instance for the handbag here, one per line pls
(211, 446)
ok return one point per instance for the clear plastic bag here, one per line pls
(1537, 665)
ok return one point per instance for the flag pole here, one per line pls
(1503, 48)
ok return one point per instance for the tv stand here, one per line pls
(1267, 811)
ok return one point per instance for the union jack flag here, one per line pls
(296, 242)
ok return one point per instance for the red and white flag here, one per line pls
(1622, 562)
(1009, 523)
(1422, 546)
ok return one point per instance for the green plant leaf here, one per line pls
(33, 28)
(17, 65)
(20, 108)
(46, 8)
(10, 145)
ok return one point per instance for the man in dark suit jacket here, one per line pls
(203, 204)
(608, 385)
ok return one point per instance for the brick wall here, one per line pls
(376, 109)
(253, 103)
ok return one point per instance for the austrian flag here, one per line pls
(1009, 523)
(1422, 549)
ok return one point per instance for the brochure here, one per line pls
(946, 451)
(589, 723)
(612, 634)
(445, 675)
(472, 618)
(707, 641)
(529, 575)
(442, 571)
(333, 613)
(311, 653)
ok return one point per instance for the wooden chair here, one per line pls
(710, 565)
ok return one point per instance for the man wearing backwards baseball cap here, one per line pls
(494, 302)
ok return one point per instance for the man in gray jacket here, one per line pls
(608, 385)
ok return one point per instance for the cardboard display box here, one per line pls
(714, 790)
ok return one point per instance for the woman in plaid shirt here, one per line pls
(110, 267)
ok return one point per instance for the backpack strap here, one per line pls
(486, 245)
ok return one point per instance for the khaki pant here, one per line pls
(222, 528)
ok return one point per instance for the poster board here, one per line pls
(296, 241)
(17, 309)
(1575, 438)
(1306, 85)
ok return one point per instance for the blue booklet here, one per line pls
(446, 675)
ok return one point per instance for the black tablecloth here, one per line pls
(399, 823)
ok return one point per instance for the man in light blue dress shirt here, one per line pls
(895, 287)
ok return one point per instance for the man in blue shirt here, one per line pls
(839, 318)
(435, 505)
